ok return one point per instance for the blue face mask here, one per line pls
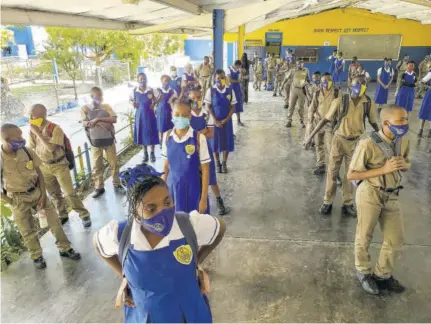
(356, 89)
(143, 84)
(17, 144)
(316, 82)
(181, 122)
(399, 130)
(161, 223)
(387, 64)
(165, 86)
(299, 67)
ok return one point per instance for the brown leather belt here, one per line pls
(54, 161)
(26, 192)
(350, 138)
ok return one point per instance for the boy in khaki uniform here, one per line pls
(23, 189)
(347, 132)
(282, 68)
(55, 168)
(378, 162)
(97, 152)
(205, 73)
(258, 75)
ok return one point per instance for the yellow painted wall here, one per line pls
(328, 26)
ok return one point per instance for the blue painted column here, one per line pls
(218, 30)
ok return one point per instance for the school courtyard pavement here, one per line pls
(280, 260)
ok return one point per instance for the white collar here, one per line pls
(165, 91)
(234, 68)
(188, 135)
(221, 91)
(189, 74)
(410, 73)
(200, 114)
(146, 90)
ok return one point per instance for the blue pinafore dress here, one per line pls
(223, 136)
(425, 111)
(184, 179)
(406, 94)
(338, 71)
(190, 87)
(163, 285)
(164, 111)
(176, 85)
(145, 132)
(332, 66)
(236, 87)
(381, 95)
(199, 123)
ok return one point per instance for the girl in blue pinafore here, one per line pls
(384, 80)
(189, 81)
(145, 130)
(332, 60)
(202, 122)
(337, 74)
(425, 111)
(187, 162)
(406, 94)
(160, 276)
(175, 82)
(221, 101)
(234, 79)
(164, 109)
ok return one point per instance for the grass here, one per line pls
(24, 92)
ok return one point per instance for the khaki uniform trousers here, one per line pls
(22, 203)
(400, 74)
(97, 156)
(57, 179)
(287, 87)
(270, 76)
(296, 96)
(258, 81)
(278, 83)
(205, 84)
(340, 149)
(322, 140)
(375, 206)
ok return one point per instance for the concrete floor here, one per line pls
(280, 260)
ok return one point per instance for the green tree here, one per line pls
(6, 37)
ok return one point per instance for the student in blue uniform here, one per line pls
(425, 111)
(385, 76)
(189, 81)
(234, 79)
(145, 131)
(220, 101)
(164, 110)
(406, 94)
(175, 82)
(160, 281)
(337, 74)
(202, 122)
(186, 167)
(332, 60)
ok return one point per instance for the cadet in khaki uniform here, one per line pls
(401, 68)
(346, 135)
(24, 189)
(424, 67)
(97, 152)
(205, 73)
(271, 68)
(258, 75)
(319, 108)
(377, 198)
(290, 59)
(282, 68)
(300, 77)
(55, 167)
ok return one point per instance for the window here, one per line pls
(309, 55)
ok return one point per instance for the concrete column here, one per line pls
(241, 36)
(218, 30)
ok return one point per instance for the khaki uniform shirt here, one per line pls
(205, 70)
(19, 174)
(323, 105)
(299, 77)
(424, 66)
(369, 156)
(259, 69)
(352, 125)
(57, 138)
(271, 64)
(106, 107)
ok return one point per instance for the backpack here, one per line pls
(99, 136)
(345, 108)
(68, 151)
(2, 189)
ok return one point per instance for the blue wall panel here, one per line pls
(230, 54)
(198, 48)
(24, 36)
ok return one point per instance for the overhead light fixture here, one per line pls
(133, 2)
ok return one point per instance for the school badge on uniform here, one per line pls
(178, 83)
(29, 165)
(184, 254)
(190, 150)
(229, 96)
(150, 96)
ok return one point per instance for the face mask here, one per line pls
(36, 122)
(161, 223)
(221, 83)
(387, 64)
(327, 84)
(165, 86)
(181, 122)
(399, 131)
(197, 104)
(17, 144)
(142, 84)
(173, 74)
(299, 67)
(316, 82)
(358, 90)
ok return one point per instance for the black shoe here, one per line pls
(153, 157)
(86, 221)
(98, 192)
(240, 123)
(71, 254)
(224, 167)
(286, 106)
(289, 124)
(64, 219)
(302, 124)
(119, 189)
(40, 263)
(368, 283)
(339, 181)
(219, 168)
(390, 284)
(421, 132)
(274, 95)
(146, 157)
(320, 170)
(349, 210)
(325, 209)
(221, 209)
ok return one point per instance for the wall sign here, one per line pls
(341, 30)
